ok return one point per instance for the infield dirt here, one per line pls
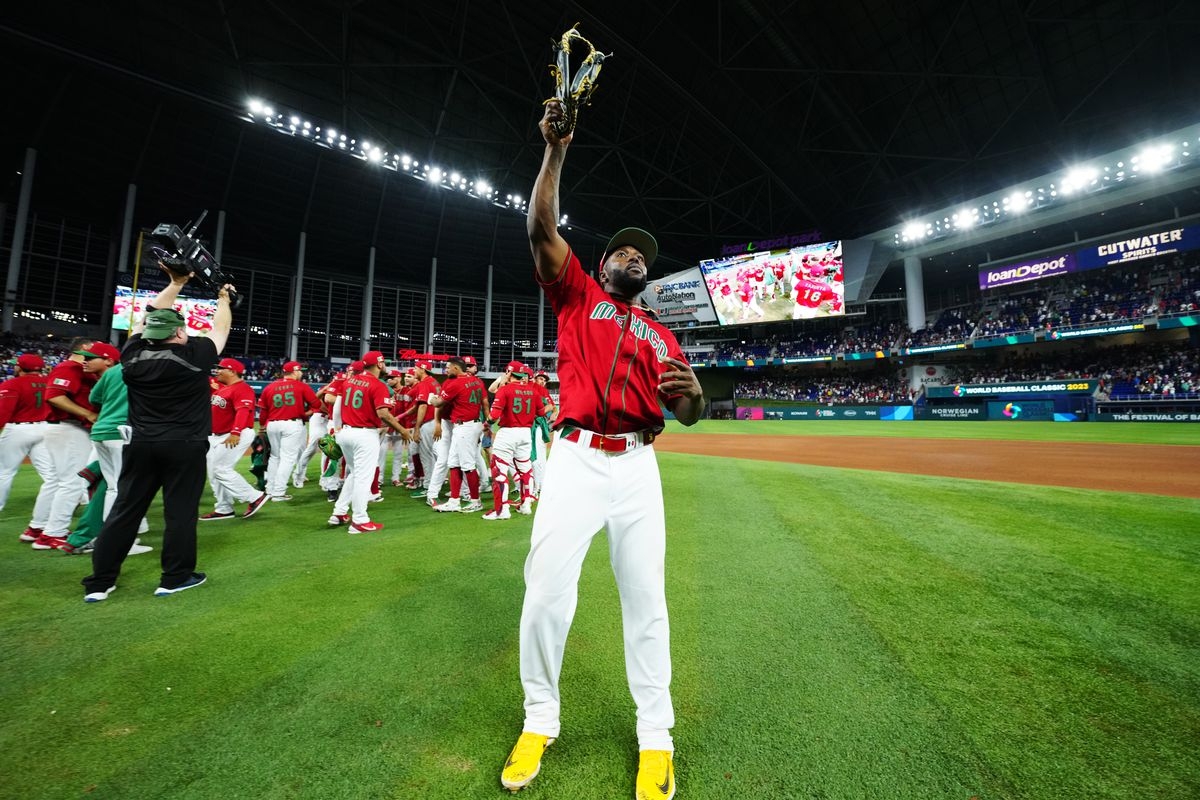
(1146, 469)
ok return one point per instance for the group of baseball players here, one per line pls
(810, 284)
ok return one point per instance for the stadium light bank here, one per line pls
(1176, 151)
(379, 154)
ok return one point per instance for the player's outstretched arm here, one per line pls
(549, 248)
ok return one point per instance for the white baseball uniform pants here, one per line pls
(587, 490)
(539, 463)
(318, 426)
(426, 450)
(70, 450)
(111, 454)
(441, 457)
(17, 441)
(360, 447)
(228, 485)
(287, 438)
(510, 456)
(397, 445)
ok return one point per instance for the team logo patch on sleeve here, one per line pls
(61, 382)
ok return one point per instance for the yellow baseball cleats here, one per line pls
(656, 776)
(524, 761)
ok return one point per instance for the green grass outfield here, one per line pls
(836, 634)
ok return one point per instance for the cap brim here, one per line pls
(635, 237)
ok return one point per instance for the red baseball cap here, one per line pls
(30, 362)
(395, 373)
(99, 350)
(521, 369)
(292, 366)
(411, 371)
(469, 360)
(232, 364)
(425, 365)
(513, 365)
(357, 366)
(542, 375)
(374, 357)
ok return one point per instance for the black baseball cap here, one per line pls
(635, 237)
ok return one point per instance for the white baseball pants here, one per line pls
(586, 490)
(70, 450)
(441, 457)
(17, 441)
(360, 447)
(111, 454)
(228, 485)
(287, 438)
(318, 426)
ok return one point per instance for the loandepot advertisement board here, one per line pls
(680, 300)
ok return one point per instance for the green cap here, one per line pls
(162, 323)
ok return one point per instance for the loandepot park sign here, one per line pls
(792, 240)
(1150, 244)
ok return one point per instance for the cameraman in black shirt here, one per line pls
(167, 373)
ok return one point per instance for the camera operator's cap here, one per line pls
(232, 364)
(292, 366)
(99, 350)
(635, 237)
(30, 362)
(374, 357)
(357, 366)
(161, 323)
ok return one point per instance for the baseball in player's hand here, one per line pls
(678, 380)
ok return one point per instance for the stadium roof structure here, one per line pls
(714, 123)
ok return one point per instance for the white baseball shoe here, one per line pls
(472, 507)
(504, 513)
(450, 505)
(526, 507)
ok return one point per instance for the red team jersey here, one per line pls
(463, 398)
(69, 380)
(232, 408)
(421, 392)
(516, 404)
(23, 399)
(405, 402)
(362, 395)
(287, 399)
(608, 356)
(811, 294)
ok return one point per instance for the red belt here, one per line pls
(608, 444)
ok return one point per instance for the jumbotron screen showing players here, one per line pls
(128, 305)
(805, 282)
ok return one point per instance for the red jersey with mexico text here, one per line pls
(23, 399)
(463, 399)
(516, 404)
(232, 408)
(287, 399)
(69, 380)
(361, 396)
(404, 401)
(608, 356)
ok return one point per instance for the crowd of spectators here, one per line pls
(1168, 288)
(873, 389)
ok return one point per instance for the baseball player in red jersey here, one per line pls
(232, 435)
(283, 407)
(318, 426)
(23, 412)
(461, 401)
(393, 442)
(813, 298)
(406, 413)
(366, 405)
(482, 464)
(517, 403)
(68, 437)
(615, 366)
(427, 387)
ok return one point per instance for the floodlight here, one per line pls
(1016, 202)
(914, 230)
(455, 177)
(405, 160)
(268, 111)
(376, 155)
(256, 106)
(1154, 159)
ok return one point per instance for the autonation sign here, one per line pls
(1044, 267)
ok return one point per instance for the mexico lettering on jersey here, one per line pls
(608, 356)
(362, 396)
(421, 392)
(287, 399)
(23, 399)
(516, 404)
(404, 405)
(232, 408)
(463, 399)
(811, 294)
(69, 380)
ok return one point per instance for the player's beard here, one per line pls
(627, 285)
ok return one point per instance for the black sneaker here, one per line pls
(331, 496)
(195, 580)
